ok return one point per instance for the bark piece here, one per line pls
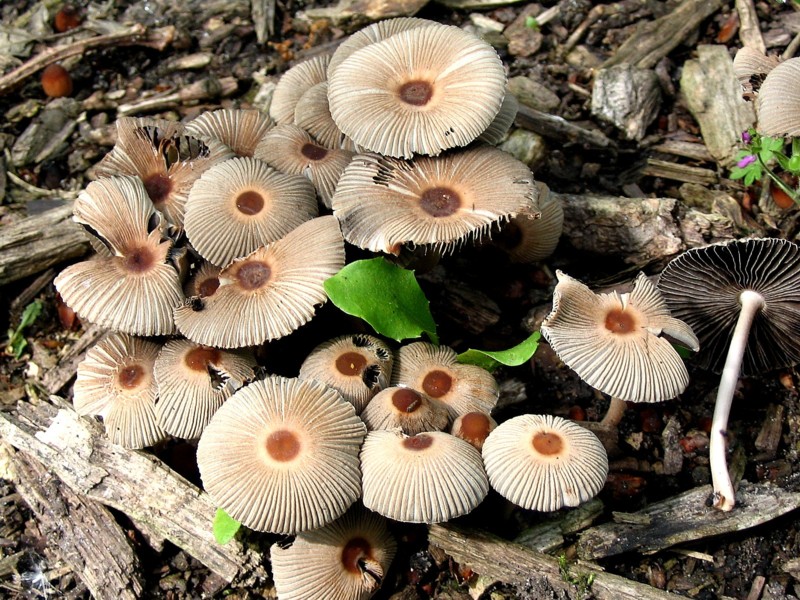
(684, 518)
(352, 14)
(628, 97)
(769, 436)
(533, 94)
(749, 31)
(55, 379)
(678, 172)
(559, 129)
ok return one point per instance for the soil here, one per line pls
(648, 467)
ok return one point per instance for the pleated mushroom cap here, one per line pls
(384, 203)
(193, 382)
(346, 560)
(165, 158)
(527, 239)
(242, 204)
(614, 342)
(132, 289)
(281, 455)
(419, 91)
(293, 84)
(357, 366)
(544, 462)
(427, 478)
(778, 103)
(405, 409)
(313, 115)
(502, 121)
(435, 371)
(268, 294)
(204, 282)
(115, 381)
(751, 67)
(239, 129)
(291, 150)
(702, 287)
(473, 427)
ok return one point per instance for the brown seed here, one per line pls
(68, 17)
(56, 81)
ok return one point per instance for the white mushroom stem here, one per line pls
(614, 414)
(724, 499)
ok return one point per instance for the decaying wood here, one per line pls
(205, 89)
(685, 149)
(505, 561)
(749, 31)
(88, 538)
(557, 128)
(135, 483)
(55, 379)
(653, 40)
(679, 172)
(37, 243)
(685, 518)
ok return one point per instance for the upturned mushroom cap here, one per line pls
(132, 289)
(473, 427)
(419, 91)
(313, 115)
(346, 560)
(356, 366)
(435, 371)
(405, 409)
(528, 239)
(293, 84)
(281, 455)
(241, 204)
(502, 121)
(751, 67)
(383, 203)
(240, 130)
(270, 293)
(614, 342)
(115, 381)
(193, 382)
(702, 288)
(544, 462)
(427, 478)
(778, 103)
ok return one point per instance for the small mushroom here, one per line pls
(778, 103)
(240, 130)
(313, 115)
(405, 409)
(293, 84)
(751, 67)
(474, 427)
(502, 121)
(527, 239)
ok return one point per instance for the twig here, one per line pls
(749, 31)
(792, 48)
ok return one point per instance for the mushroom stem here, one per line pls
(724, 499)
(614, 414)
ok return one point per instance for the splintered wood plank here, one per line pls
(684, 518)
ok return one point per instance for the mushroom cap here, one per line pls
(204, 281)
(778, 103)
(751, 66)
(405, 409)
(473, 427)
(281, 455)
(193, 382)
(291, 150)
(435, 370)
(502, 121)
(313, 115)
(357, 366)
(419, 91)
(116, 382)
(239, 129)
(241, 204)
(132, 289)
(293, 84)
(383, 203)
(528, 239)
(544, 462)
(614, 342)
(269, 293)
(346, 560)
(427, 478)
(702, 287)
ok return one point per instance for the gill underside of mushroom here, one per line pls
(724, 497)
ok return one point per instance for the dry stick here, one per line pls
(749, 32)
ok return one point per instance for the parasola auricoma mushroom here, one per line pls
(744, 296)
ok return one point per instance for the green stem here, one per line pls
(779, 182)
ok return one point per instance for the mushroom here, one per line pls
(346, 560)
(293, 84)
(281, 455)
(741, 295)
(356, 366)
(115, 381)
(427, 478)
(527, 239)
(544, 462)
(751, 66)
(384, 203)
(473, 427)
(778, 103)
(241, 204)
(405, 409)
(419, 91)
(502, 121)
(204, 282)
(239, 129)
(313, 115)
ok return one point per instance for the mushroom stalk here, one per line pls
(614, 414)
(752, 302)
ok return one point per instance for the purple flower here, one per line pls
(747, 160)
(746, 137)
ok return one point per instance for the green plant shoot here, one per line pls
(225, 527)
(513, 357)
(760, 155)
(386, 296)
(16, 341)
(531, 23)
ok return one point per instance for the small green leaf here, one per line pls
(225, 527)
(513, 357)
(531, 23)
(386, 296)
(16, 341)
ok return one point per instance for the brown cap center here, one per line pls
(139, 260)
(250, 202)
(283, 445)
(158, 186)
(131, 376)
(620, 321)
(208, 286)
(350, 363)
(420, 441)
(406, 400)
(547, 443)
(198, 359)
(416, 93)
(313, 152)
(253, 275)
(354, 553)
(475, 426)
(437, 383)
(440, 202)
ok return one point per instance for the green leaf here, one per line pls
(16, 341)
(386, 296)
(531, 23)
(513, 357)
(225, 527)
